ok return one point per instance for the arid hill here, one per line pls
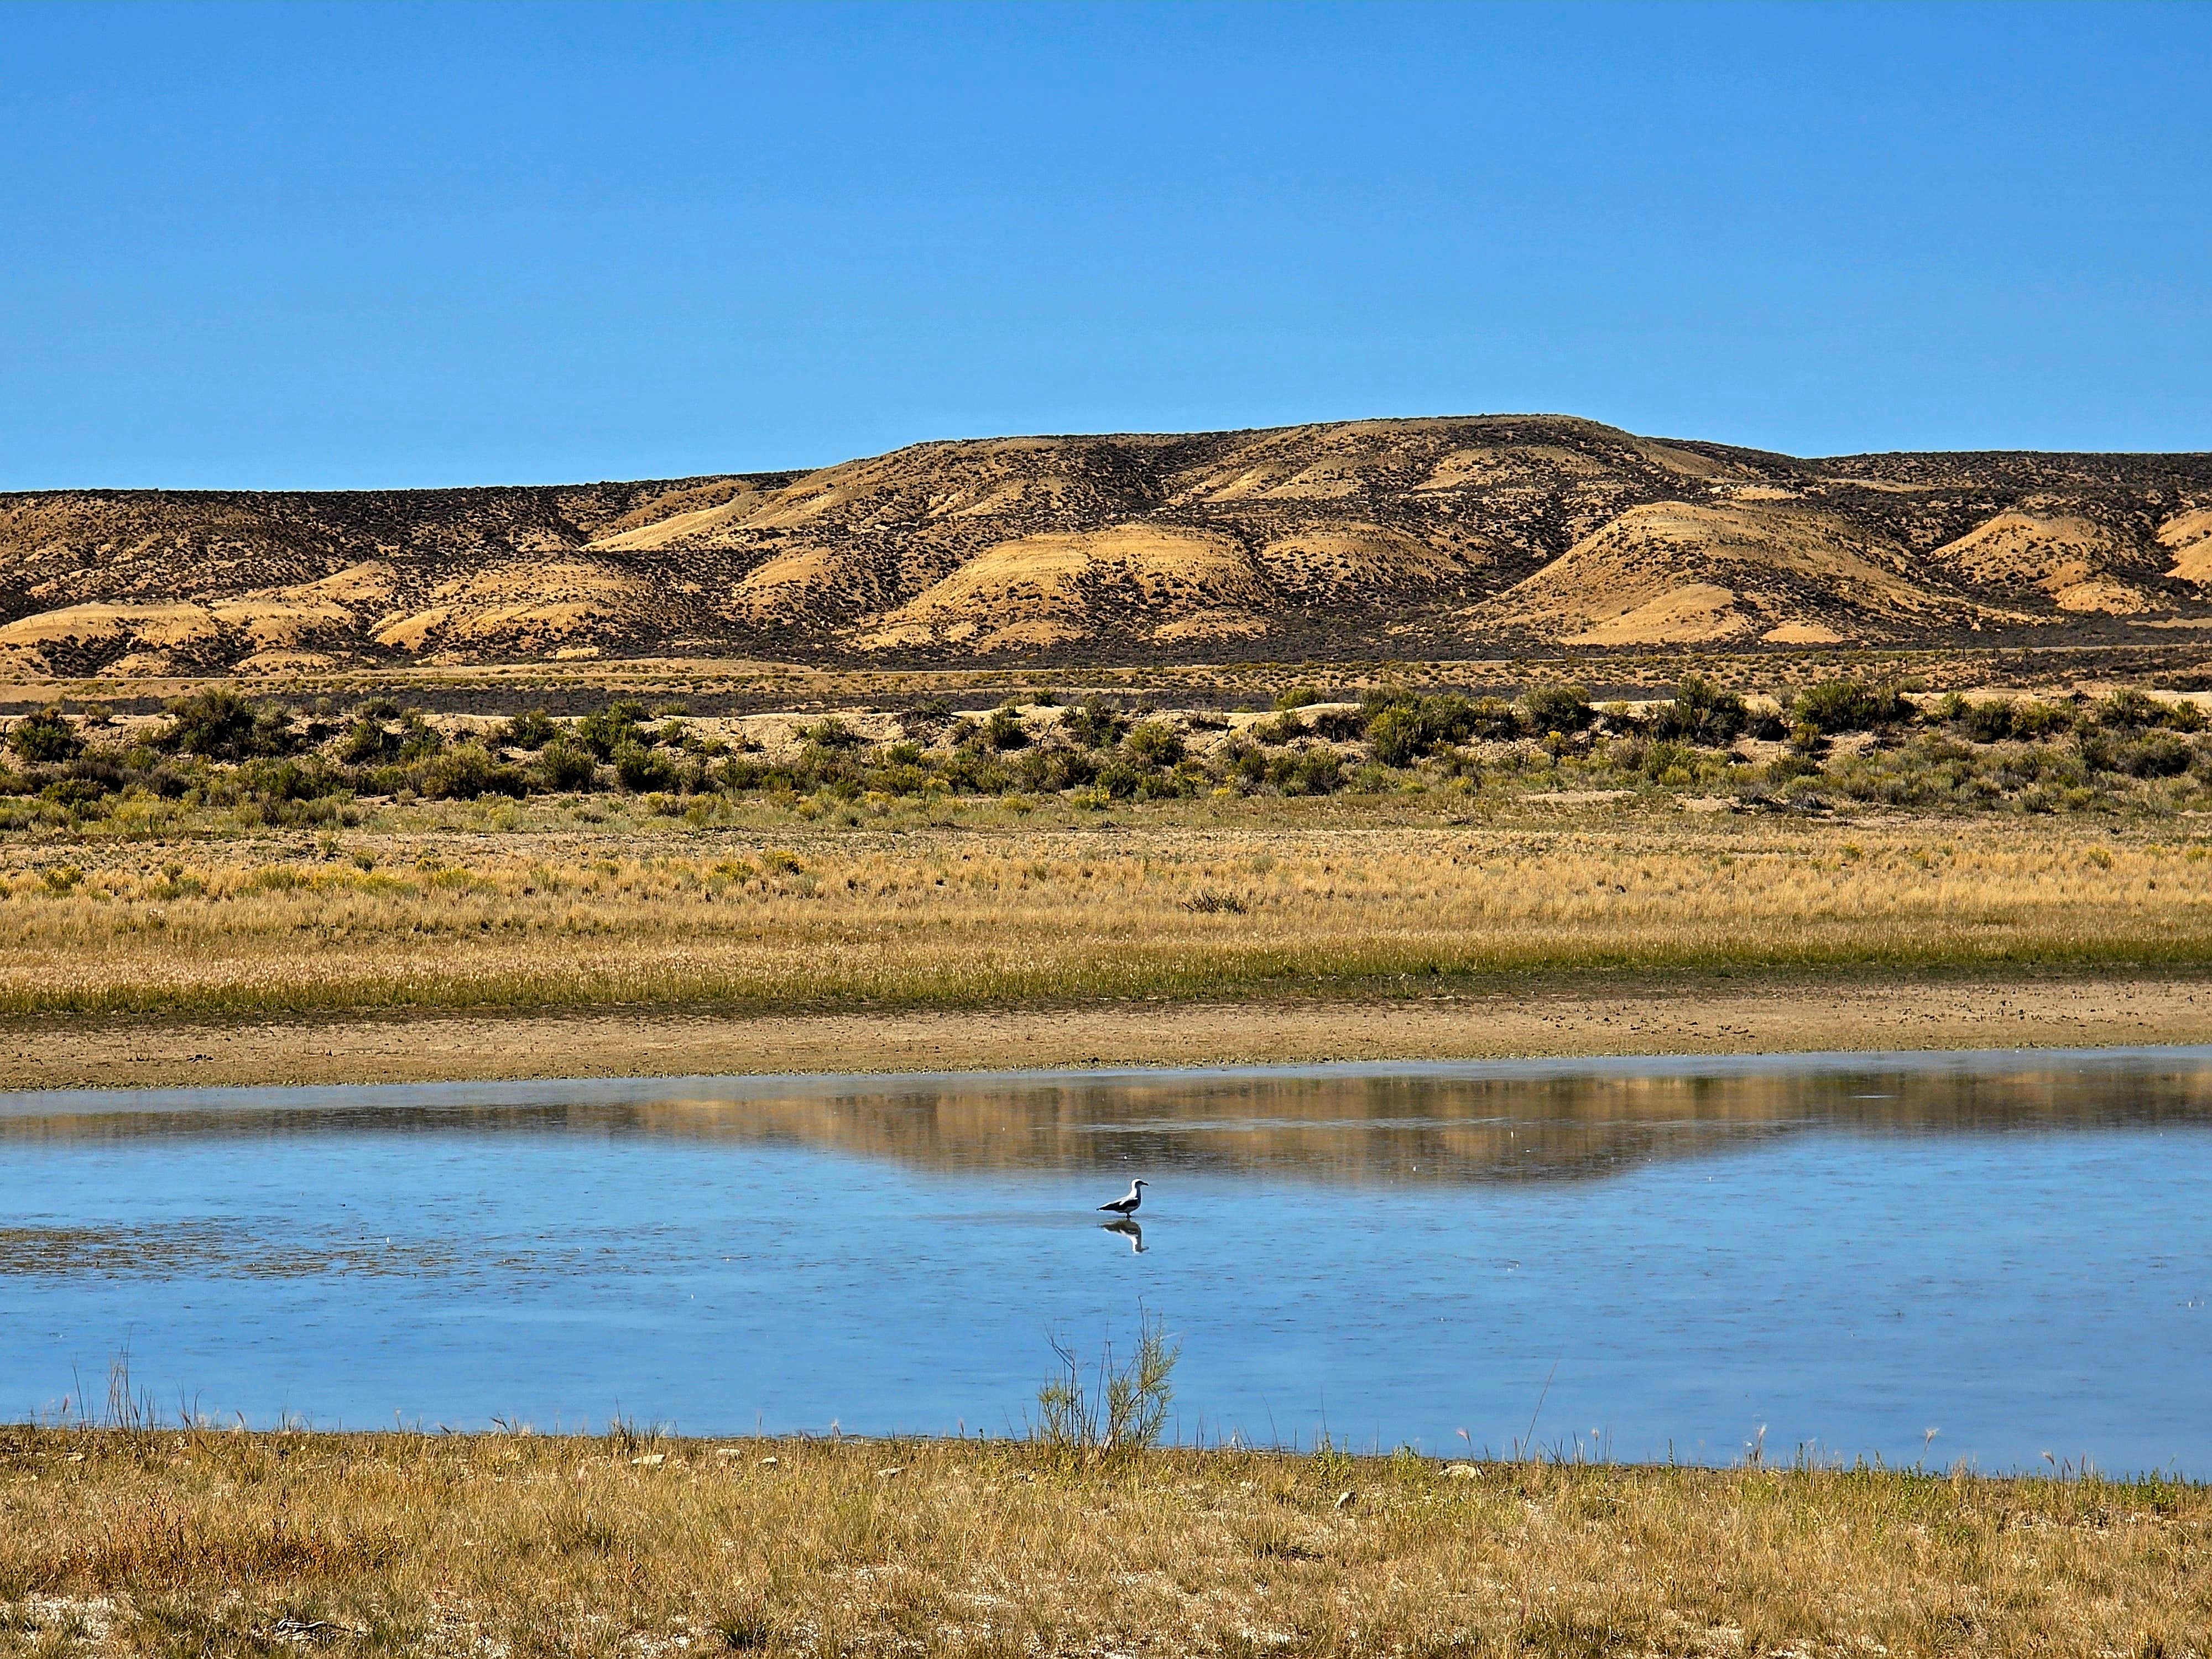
(1450, 538)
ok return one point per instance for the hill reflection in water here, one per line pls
(1349, 1125)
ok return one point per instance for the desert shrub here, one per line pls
(925, 719)
(1404, 728)
(306, 777)
(1051, 770)
(2033, 720)
(218, 724)
(563, 765)
(829, 733)
(1558, 708)
(1849, 705)
(1785, 768)
(2153, 754)
(368, 742)
(1286, 727)
(532, 729)
(2131, 710)
(1095, 724)
(1702, 713)
(609, 729)
(1186, 781)
(1118, 779)
(1951, 785)
(46, 738)
(970, 771)
(1242, 764)
(1299, 696)
(1401, 733)
(639, 769)
(817, 766)
(1669, 762)
(467, 771)
(1988, 721)
(1341, 725)
(1494, 720)
(1397, 734)
(1153, 743)
(738, 773)
(900, 778)
(1315, 769)
(77, 794)
(105, 766)
(418, 738)
(1002, 731)
(2042, 765)
(371, 740)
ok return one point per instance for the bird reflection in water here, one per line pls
(1124, 1227)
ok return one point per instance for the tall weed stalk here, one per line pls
(1118, 1409)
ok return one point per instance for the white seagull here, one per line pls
(1127, 1206)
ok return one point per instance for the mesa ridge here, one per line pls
(1450, 538)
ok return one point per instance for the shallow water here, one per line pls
(1632, 1259)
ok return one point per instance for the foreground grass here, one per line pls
(471, 910)
(176, 1542)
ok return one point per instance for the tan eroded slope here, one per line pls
(1673, 573)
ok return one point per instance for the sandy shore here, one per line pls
(1714, 1017)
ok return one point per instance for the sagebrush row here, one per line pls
(219, 748)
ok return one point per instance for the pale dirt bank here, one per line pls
(1712, 1016)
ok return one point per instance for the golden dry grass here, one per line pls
(993, 913)
(114, 1542)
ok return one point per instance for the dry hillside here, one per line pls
(1449, 536)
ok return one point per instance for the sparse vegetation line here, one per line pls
(218, 761)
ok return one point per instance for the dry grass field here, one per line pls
(510, 907)
(1897, 870)
(198, 1542)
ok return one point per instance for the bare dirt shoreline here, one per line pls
(1710, 1016)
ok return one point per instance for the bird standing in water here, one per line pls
(1125, 1206)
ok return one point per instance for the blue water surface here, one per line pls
(1669, 1259)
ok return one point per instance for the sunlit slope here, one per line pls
(1364, 537)
(1674, 573)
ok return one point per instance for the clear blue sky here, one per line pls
(328, 247)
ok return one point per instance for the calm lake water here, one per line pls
(1640, 1258)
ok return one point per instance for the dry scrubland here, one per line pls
(206, 1542)
(1409, 843)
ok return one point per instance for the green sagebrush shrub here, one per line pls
(46, 738)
